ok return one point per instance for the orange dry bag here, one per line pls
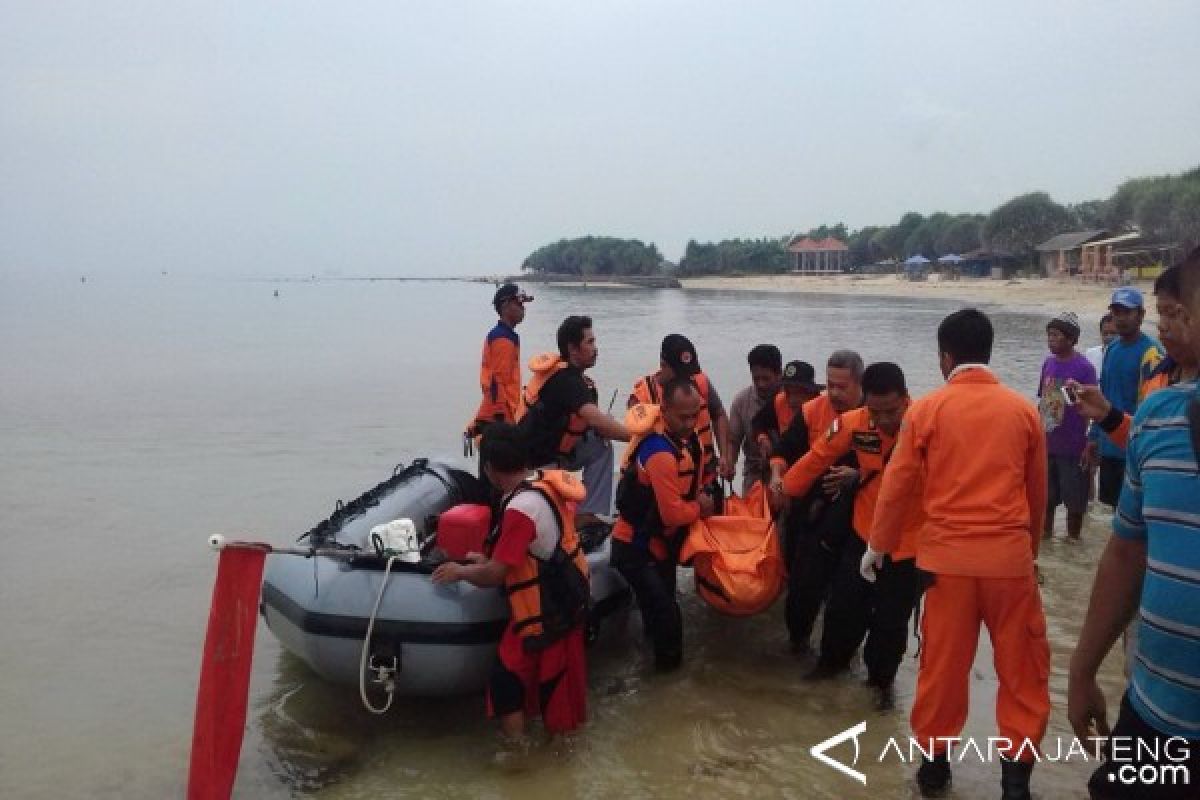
(736, 557)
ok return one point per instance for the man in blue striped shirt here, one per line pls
(1151, 568)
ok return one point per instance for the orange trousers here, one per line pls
(1011, 608)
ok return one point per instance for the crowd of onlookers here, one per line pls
(1130, 414)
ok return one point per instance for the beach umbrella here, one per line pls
(951, 258)
(916, 261)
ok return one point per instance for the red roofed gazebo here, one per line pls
(826, 256)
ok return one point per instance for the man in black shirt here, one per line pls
(563, 424)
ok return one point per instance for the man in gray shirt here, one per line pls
(766, 373)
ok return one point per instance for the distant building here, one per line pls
(1061, 256)
(828, 256)
(1129, 256)
(984, 263)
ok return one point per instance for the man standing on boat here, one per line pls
(536, 556)
(500, 370)
(561, 420)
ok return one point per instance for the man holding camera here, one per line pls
(1066, 429)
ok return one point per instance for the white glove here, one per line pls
(872, 562)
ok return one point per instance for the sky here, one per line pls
(271, 139)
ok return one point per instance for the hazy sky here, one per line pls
(248, 138)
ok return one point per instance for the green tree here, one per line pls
(1120, 207)
(1185, 215)
(1153, 211)
(890, 241)
(962, 235)
(1023, 222)
(594, 255)
(1089, 215)
(923, 240)
(859, 243)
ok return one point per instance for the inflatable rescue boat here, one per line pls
(423, 639)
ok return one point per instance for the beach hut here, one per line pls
(916, 268)
(1061, 256)
(828, 256)
(951, 262)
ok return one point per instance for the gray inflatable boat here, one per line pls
(426, 639)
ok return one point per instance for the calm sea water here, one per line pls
(139, 416)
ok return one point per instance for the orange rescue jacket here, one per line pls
(545, 367)
(500, 376)
(550, 596)
(855, 432)
(648, 391)
(657, 501)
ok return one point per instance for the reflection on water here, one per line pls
(142, 417)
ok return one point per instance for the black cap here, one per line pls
(802, 374)
(507, 292)
(679, 354)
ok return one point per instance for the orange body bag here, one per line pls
(736, 557)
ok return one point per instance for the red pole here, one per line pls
(223, 693)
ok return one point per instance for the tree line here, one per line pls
(1165, 208)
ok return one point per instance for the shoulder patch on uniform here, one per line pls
(868, 442)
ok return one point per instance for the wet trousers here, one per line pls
(954, 608)
(878, 611)
(812, 549)
(594, 455)
(653, 584)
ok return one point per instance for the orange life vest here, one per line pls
(548, 597)
(648, 391)
(638, 520)
(783, 411)
(545, 367)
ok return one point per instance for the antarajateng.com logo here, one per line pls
(1160, 762)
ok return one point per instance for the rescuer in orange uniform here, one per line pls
(879, 610)
(798, 387)
(980, 451)
(658, 497)
(678, 359)
(500, 370)
(817, 524)
(535, 554)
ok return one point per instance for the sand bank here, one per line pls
(1048, 295)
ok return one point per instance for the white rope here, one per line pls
(386, 674)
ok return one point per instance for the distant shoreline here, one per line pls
(1047, 295)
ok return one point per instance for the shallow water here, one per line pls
(139, 416)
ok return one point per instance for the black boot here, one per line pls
(933, 777)
(1014, 779)
(885, 697)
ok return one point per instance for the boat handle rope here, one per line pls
(384, 674)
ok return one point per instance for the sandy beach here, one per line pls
(1048, 295)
